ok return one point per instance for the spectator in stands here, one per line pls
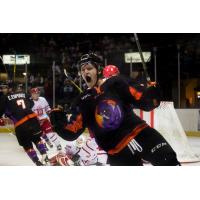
(187, 103)
(41, 80)
(31, 79)
(69, 92)
(48, 91)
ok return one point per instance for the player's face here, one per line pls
(5, 90)
(35, 96)
(89, 74)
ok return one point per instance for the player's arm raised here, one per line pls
(145, 98)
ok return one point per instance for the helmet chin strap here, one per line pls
(98, 76)
(96, 81)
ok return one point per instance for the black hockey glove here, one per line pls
(83, 99)
(89, 95)
(153, 96)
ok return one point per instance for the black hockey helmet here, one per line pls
(90, 58)
(3, 85)
(15, 87)
(19, 87)
(6, 84)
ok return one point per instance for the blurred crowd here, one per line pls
(66, 49)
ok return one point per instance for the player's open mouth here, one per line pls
(88, 79)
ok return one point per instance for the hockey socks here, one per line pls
(41, 147)
(32, 155)
(47, 140)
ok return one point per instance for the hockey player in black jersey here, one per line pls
(105, 108)
(16, 105)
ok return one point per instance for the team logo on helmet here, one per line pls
(108, 114)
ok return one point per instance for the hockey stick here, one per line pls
(5, 125)
(10, 132)
(77, 87)
(142, 58)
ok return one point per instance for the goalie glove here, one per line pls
(153, 94)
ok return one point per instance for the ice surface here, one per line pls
(11, 154)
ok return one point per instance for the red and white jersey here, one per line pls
(71, 149)
(89, 153)
(41, 107)
(102, 156)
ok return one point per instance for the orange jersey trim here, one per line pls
(76, 125)
(124, 142)
(137, 95)
(98, 89)
(24, 119)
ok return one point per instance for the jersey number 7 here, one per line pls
(21, 102)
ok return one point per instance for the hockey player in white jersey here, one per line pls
(84, 152)
(42, 108)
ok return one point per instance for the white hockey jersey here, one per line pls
(71, 149)
(89, 153)
(41, 107)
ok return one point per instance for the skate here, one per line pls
(38, 163)
(45, 160)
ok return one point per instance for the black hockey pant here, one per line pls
(28, 132)
(148, 145)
